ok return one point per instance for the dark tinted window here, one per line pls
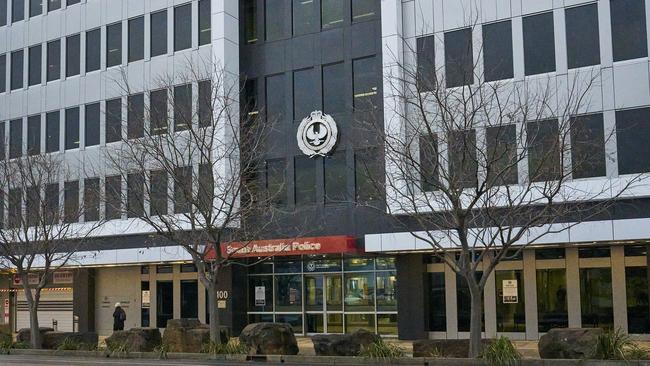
(136, 39)
(275, 18)
(135, 116)
(182, 27)
(497, 51)
(250, 21)
(275, 98)
(71, 201)
(158, 200)
(429, 163)
(632, 136)
(366, 82)
(335, 178)
(3, 21)
(332, 13)
(462, 158)
(303, 103)
(51, 209)
(113, 197)
(588, 146)
(276, 186)
(53, 5)
(113, 120)
(93, 50)
(113, 44)
(582, 39)
(593, 252)
(635, 250)
(72, 58)
(543, 150)
(52, 122)
(72, 128)
(304, 16)
(135, 195)
(32, 205)
(72, 2)
(182, 107)
(629, 33)
(205, 26)
(17, 58)
(182, 189)
(34, 135)
(368, 176)
(305, 180)
(158, 111)
(459, 65)
(53, 60)
(91, 199)
(550, 253)
(159, 33)
(17, 10)
(250, 97)
(91, 130)
(363, 9)
(205, 103)
(539, 44)
(15, 207)
(34, 76)
(16, 138)
(502, 158)
(35, 7)
(3, 73)
(426, 68)
(334, 90)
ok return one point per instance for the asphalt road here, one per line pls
(73, 361)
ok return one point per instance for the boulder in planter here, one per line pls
(343, 344)
(186, 335)
(136, 339)
(25, 333)
(85, 341)
(569, 343)
(269, 339)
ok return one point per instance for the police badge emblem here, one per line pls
(317, 134)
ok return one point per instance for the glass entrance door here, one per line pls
(324, 303)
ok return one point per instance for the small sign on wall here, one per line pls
(260, 296)
(510, 292)
(62, 277)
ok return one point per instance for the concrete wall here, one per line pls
(115, 284)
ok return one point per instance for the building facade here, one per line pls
(59, 62)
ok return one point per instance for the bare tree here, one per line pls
(478, 168)
(40, 235)
(193, 171)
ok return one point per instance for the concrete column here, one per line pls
(410, 297)
(451, 302)
(83, 303)
(618, 288)
(489, 297)
(530, 294)
(176, 284)
(573, 287)
(153, 305)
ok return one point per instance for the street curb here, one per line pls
(319, 360)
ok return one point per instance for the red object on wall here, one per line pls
(284, 247)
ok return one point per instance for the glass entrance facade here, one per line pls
(325, 294)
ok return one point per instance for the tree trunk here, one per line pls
(476, 320)
(32, 305)
(215, 334)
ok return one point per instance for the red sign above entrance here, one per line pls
(282, 247)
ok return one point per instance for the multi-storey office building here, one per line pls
(58, 64)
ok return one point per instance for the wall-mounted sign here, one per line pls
(32, 279)
(62, 277)
(510, 292)
(317, 134)
(146, 298)
(221, 304)
(260, 295)
(6, 311)
(298, 246)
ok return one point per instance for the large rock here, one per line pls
(269, 339)
(343, 344)
(186, 335)
(451, 348)
(87, 340)
(25, 334)
(569, 343)
(136, 339)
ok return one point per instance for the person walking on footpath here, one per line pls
(119, 317)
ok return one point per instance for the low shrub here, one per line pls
(21, 345)
(616, 345)
(233, 347)
(382, 351)
(118, 350)
(501, 352)
(161, 351)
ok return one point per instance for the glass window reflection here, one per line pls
(359, 291)
(511, 314)
(288, 293)
(552, 299)
(638, 312)
(596, 298)
(386, 294)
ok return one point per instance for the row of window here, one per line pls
(36, 7)
(183, 117)
(285, 17)
(42, 203)
(629, 41)
(588, 152)
(334, 99)
(182, 39)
